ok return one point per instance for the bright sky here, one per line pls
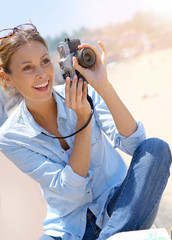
(52, 17)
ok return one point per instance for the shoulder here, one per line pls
(19, 125)
(8, 129)
(12, 120)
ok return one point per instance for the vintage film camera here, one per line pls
(86, 57)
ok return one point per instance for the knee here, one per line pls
(159, 149)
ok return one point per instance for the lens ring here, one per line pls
(89, 57)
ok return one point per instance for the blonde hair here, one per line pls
(8, 47)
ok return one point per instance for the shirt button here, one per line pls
(88, 191)
(62, 151)
(83, 219)
(95, 139)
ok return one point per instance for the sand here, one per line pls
(144, 84)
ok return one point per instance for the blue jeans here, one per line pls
(134, 204)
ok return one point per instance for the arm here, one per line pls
(97, 77)
(124, 121)
(60, 185)
(76, 99)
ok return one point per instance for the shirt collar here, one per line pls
(32, 127)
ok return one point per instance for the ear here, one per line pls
(6, 79)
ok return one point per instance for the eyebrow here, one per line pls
(31, 61)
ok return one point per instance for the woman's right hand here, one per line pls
(96, 76)
(76, 98)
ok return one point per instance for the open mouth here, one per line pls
(42, 86)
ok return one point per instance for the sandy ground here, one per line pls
(144, 84)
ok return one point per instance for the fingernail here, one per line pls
(75, 77)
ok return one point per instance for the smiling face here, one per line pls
(32, 72)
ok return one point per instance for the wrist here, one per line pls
(83, 119)
(104, 88)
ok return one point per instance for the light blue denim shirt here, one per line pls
(69, 195)
(3, 114)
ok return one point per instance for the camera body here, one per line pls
(86, 57)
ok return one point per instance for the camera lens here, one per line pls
(86, 57)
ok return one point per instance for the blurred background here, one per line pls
(138, 36)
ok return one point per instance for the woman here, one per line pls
(89, 192)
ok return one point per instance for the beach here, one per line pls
(144, 84)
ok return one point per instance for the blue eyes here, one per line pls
(30, 67)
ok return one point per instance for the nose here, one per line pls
(40, 72)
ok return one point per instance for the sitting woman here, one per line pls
(90, 194)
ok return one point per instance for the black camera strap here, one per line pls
(84, 126)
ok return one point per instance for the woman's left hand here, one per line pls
(76, 98)
(96, 76)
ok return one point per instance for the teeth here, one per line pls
(41, 85)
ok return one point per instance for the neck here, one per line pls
(43, 111)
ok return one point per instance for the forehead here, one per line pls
(29, 51)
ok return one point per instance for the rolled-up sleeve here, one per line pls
(60, 185)
(129, 144)
(70, 177)
(106, 123)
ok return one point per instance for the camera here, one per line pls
(86, 57)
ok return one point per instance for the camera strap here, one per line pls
(84, 126)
